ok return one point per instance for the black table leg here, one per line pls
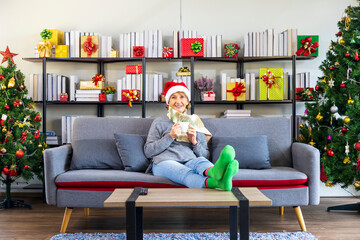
(233, 222)
(139, 223)
(131, 214)
(244, 219)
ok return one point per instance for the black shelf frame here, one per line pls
(240, 61)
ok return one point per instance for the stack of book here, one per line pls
(270, 43)
(87, 95)
(51, 138)
(237, 113)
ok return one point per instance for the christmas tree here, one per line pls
(21, 144)
(332, 122)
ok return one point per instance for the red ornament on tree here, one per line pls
(36, 135)
(7, 107)
(342, 85)
(6, 171)
(330, 152)
(13, 173)
(356, 56)
(318, 88)
(344, 130)
(357, 146)
(332, 68)
(1, 77)
(339, 34)
(19, 153)
(347, 54)
(26, 166)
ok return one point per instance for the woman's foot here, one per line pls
(226, 156)
(226, 182)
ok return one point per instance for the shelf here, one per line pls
(214, 59)
(87, 103)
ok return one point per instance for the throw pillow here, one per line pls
(131, 150)
(96, 154)
(251, 152)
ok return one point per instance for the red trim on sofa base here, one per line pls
(263, 183)
(115, 184)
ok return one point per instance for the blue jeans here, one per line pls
(188, 173)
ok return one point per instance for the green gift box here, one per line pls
(271, 84)
(307, 45)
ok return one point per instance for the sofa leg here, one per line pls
(87, 212)
(66, 219)
(281, 210)
(300, 218)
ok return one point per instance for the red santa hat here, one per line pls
(173, 87)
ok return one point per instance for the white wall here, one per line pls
(23, 20)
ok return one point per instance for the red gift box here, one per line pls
(64, 97)
(102, 97)
(187, 43)
(231, 50)
(130, 95)
(138, 51)
(168, 52)
(133, 69)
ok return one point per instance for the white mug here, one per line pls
(184, 126)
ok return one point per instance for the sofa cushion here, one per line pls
(95, 153)
(251, 152)
(131, 150)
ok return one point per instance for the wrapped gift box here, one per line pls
(64, 97)
(168, 52)
(187, 43)
(302, 89)
(235, 91)
(307, 45)
(276, 91)
(102, 97)
(89, 46)
(231, 50)
(89, 85)
(62, 51)
(133, 69)
(209, 96)
(138, 51)
(57, 37)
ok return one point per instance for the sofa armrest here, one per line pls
(56, 161)
(306, 159)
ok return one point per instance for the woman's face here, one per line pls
(178, 101)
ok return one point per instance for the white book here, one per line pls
(293, 41)
(151, 44)
(276, 44)
(161, 83)
(175, 44)
(205, 45)
(261, 44)
(257, 44)
(147, 87)
(194, 33)
(137, 39)
(40, 87)
(237, 111)
(250, 44)
(246, 45)
(155, 44)
(119, 89)
(253, 44)
(138, 81)
(247, 86)
(281, 44)
(252, 87)
(146, 42)
(73, 81)
(72, 44)
(219, 45)
(87, 99)
(67, 38)
(79, 95)
(186, 34)
(141, 38)
(223, 86)
(63, 130)
(58, 87)
(156, 88)
(208, 48)
(109, 46)
(298, 80)
(285, 43)
(65, 85)
(213, 46)
(77, 44)
(102, 48)
(289, 41)
(49, 87)
(141, 86)
(133, 81)
(265, 43)
(85, 91)
(121, 45)
(128, 81)
(181, 35)
(160, 43)
(31, 87)
(54, 87)
(132, 43)
(270, 40)
(128, 45)
(307, 81)
(189, 85)
(151, 87)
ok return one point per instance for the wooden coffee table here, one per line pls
(187, 197)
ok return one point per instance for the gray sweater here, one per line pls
(160, 146)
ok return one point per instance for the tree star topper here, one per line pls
(7, 54)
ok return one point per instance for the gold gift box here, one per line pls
(114, 53)
(89, 85)
(229, 94)
(95, 41)
(57, 37)
(62, 51)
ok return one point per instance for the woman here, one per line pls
(182, 157)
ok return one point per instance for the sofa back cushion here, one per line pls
(277, 130)
(93, 140)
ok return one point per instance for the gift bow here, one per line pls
(132, 95)
(307, 47)
(98, 78)
(45, 34)
(44, 48)
(269, 79)
(231, 50)
(89, 47)
(237, 90)
(138, 51)
(209, 93)
(167, 51)
(196, 46)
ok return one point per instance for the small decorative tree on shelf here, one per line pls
(204, 84)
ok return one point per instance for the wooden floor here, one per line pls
(43, 221)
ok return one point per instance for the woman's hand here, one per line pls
(191, 133)
(175, 131)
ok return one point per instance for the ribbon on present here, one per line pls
(196, 46)
(167, 52)
(98, 78)
(209, 93)
(132, 95)
(44, 48)
(307, 47)
(89, 47)
(237, 90)
(269, 79)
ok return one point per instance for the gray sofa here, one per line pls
(293, 180)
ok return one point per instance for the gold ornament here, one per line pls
(4, 130)
(324, 80)
(347, 120)
(319, 117)
(312, 143)
(3, 87)
(346, 160)
(331, 47)
(336, 64)
(350, 101)
(342, 41)
(329, 184)
(325, 148)
(301, 125)
(11, 82)
(40, 145)
(357, 184)
(301, 138)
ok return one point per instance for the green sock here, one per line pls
(226, 156)
(226, 182)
